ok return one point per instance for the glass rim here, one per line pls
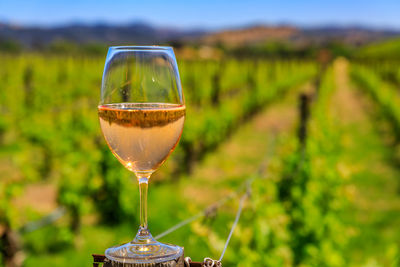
(141, 48)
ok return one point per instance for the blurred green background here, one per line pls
(304, 98)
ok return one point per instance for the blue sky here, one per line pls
(212, 14)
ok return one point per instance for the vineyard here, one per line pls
(321, 142)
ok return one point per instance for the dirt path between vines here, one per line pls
(240, 156)
(372, 185)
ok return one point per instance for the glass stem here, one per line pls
(143, 186)
(143, 236)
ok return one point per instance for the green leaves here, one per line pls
(294, 217)
(383, 93)
(49, 132)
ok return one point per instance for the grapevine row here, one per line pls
(49, 127)
(292, 219)
(384, 94)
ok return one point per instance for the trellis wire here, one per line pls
(46, 220)
(242, 199)
(205, 212)
(215, 206)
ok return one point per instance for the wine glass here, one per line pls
(141, 113)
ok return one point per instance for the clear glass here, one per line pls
(141, 113)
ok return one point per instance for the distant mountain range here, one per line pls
(142, 33)
(299, 36)
(136, 33)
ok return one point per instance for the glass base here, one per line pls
(144, 249)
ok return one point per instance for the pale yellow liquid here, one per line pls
(142, 135)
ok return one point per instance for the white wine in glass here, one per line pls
(142, 113)
(142, 135)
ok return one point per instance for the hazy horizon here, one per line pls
(206, 15)
(179, 27)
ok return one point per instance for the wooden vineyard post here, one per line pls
(304, 114)
(102, 261)
(11, 248)
(324, 56)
